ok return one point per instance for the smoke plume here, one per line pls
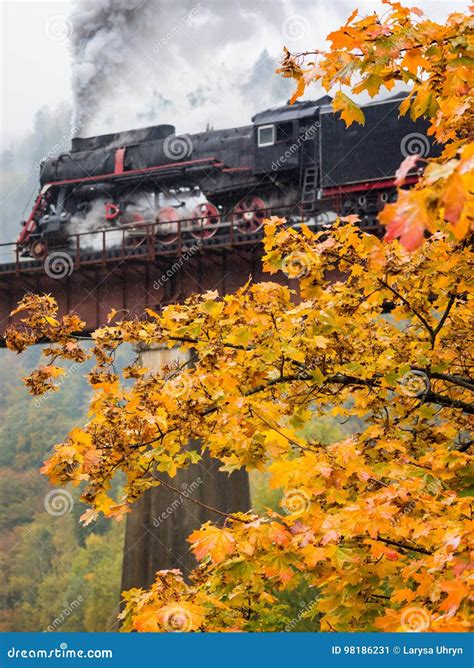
(137, 62)
(105, 34)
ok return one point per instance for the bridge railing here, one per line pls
(10, 253)
(147, 239)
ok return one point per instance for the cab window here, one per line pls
(266, 135)
(284, 132)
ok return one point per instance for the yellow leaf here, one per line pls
(350, 112)
(212, 307)
(111, 315)
(80, 437)
(54, 371)
(103, 503)
(412, 60)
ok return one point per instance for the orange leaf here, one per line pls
(407, 165)
(406, 219)
(278, 534)
(456, 592)
(453, 199)
(212, 541)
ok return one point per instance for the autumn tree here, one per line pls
(372, 53)
(378, 524)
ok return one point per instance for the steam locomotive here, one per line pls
(294, 160)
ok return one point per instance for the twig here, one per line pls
(444, 316)
(198, 503)
(420, 317)
(404, 546)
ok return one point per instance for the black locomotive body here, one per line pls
(297, 160)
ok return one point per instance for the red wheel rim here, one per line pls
(168, 225)
(249, 214)
(205, 221)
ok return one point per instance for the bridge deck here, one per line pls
(132, 268)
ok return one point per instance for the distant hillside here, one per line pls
(55, 574)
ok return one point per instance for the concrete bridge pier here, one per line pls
(161, 520)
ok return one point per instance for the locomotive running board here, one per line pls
(367, 185)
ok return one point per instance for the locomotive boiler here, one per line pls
(298, 161)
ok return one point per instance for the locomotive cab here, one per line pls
(286, 138)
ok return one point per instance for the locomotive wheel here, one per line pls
(205, 221)
(168, 225)
(249, 214)
(128, 218)
(134, 236)
(37, 250)
(385, 197)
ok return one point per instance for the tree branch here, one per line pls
(404, 546)
(451, 378)
(447, 402)
(338, 379)
(198, 503)
(420, 317)
(440, 324)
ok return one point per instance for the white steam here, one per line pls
(186, 62)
